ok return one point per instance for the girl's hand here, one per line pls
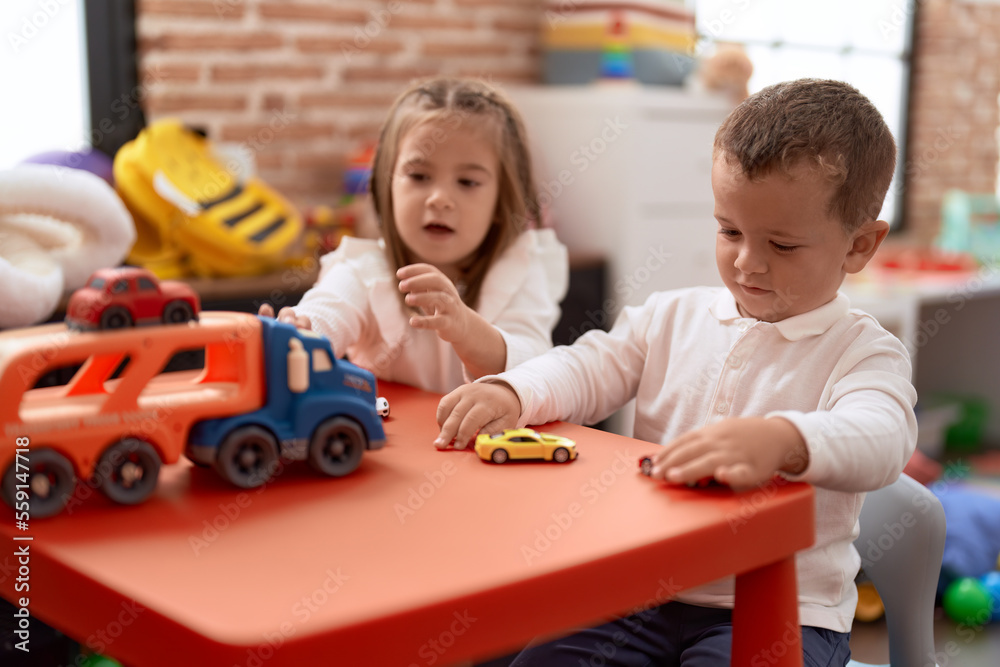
(479, 344)
(428, 289)
(742, 452)
(286, 314)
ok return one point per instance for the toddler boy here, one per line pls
(772, 375)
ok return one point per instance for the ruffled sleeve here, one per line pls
(355, 289)
(522, 292)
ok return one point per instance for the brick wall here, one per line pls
(954, 113)
(302, 84)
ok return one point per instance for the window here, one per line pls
(321, 361)
(863, 42)
(44, 79)
(67, 65)
(146, 284)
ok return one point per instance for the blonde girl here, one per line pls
(460, 284)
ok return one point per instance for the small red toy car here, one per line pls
(129, 296)
(646, 465)
(646, 468)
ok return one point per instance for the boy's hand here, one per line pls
(481, 406)
(285, 315)
(437, 298)
(743, 452)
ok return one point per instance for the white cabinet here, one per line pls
(626, 173)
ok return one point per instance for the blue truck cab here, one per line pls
(316, 408)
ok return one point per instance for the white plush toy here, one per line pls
(57, 226)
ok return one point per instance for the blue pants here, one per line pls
(673, 635)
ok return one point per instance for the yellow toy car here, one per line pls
(194, 214)
(525, 443)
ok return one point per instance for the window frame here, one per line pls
(112, 70)
(906, 57)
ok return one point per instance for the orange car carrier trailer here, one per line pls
(267, 391)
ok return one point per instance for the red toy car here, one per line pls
(129, 296)
(646, 468)
(646, 465)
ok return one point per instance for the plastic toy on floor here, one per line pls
(196, 215)
(870, 606)
(969, 585)
(95, 660)
(974, 601)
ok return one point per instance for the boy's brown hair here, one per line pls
(824, 122)
(454, 102)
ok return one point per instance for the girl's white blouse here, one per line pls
(356, 303)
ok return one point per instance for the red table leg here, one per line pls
(766, 617)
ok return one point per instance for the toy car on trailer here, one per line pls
(128, 296)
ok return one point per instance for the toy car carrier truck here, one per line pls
(267, 391)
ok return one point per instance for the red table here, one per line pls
(420, 557)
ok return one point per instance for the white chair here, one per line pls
(901, 545)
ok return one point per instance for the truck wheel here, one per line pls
(248, 457)
(336, 446)
(51, 482)
(116, 318)
(178, 312)
(128, 470)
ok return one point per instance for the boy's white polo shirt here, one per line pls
(690, 359)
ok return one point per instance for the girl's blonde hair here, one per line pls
(454, 102)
